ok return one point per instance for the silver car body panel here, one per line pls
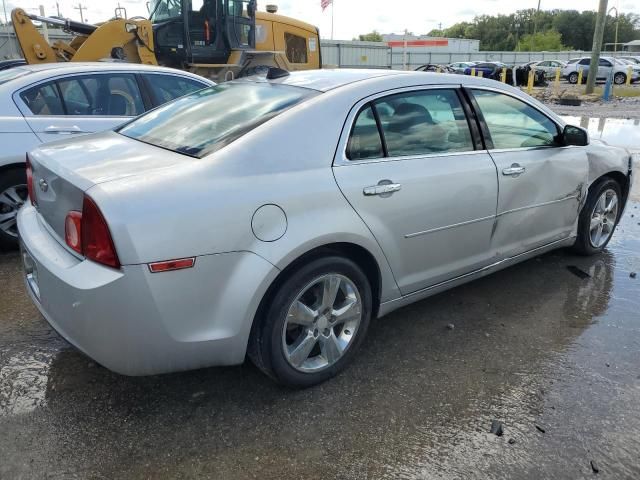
(162, 205)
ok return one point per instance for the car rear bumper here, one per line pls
(138, 323)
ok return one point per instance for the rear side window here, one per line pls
(43, 99)
(169, 87)
(419, 123)
(205, 121)
(364, 141)
(113, 94)
(296, 48)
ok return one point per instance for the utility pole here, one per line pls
(81, 8)
(615, 39)
(597, 45)
(4, 7)
(535, 27)
(58, 9)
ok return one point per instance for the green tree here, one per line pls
(549, 41)
(505, 32)
(370, 37)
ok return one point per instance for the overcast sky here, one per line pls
(351, 17)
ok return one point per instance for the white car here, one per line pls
(42, 103)
(549, 67)
(605, 65)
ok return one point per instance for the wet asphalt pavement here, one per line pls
(552, 352)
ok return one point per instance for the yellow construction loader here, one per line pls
(219, 39)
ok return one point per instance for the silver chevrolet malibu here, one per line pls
(274, 217)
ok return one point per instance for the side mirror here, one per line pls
(573, 135)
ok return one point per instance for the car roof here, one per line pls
(330, 79)
(43, 71)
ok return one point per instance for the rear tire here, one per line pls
(599, 217)
(303, 337)
(13, 193)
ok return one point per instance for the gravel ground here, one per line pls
(616, 107)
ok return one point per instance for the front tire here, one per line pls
(599, 217)
(314, 323)
(573, 78)
(13, 193)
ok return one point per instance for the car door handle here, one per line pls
(63, 130)
(382, 189)
(513, 170)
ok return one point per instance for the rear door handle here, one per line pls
(385, 188)
(63, 130)
(514, 170)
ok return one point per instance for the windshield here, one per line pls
(162, 10)
(208, 120)
(11, 73)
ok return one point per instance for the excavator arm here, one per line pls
(130, 40)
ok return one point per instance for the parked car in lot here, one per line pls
(549, 67)
(633, 60)
(459, 67)
(488, 69)
(41, 103)
(432, 67)
(277, 217)
(605, 67)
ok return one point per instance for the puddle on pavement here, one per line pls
(615, 131)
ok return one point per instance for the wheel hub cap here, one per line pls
(11, 200)
(603, 218)
(321, 323)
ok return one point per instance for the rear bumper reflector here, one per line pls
(170, 265)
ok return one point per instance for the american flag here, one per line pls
(325, 3)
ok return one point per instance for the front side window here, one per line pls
(584, 61)
(514, 124)
(296, 48)
(169, 87)
(208, 120)
(604, 63)
(427, 122)
(43, 100)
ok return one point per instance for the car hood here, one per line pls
(104, 157)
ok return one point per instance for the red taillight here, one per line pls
(73, 230)
(32, 196)
(97, 243)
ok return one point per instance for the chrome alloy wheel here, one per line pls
(10, 202)
(321, 323)
(603, 218)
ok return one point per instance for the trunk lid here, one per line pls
(63, 171)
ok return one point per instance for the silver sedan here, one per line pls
(276, 216)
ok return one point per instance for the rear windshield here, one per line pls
(205, 121)
(11, 73)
